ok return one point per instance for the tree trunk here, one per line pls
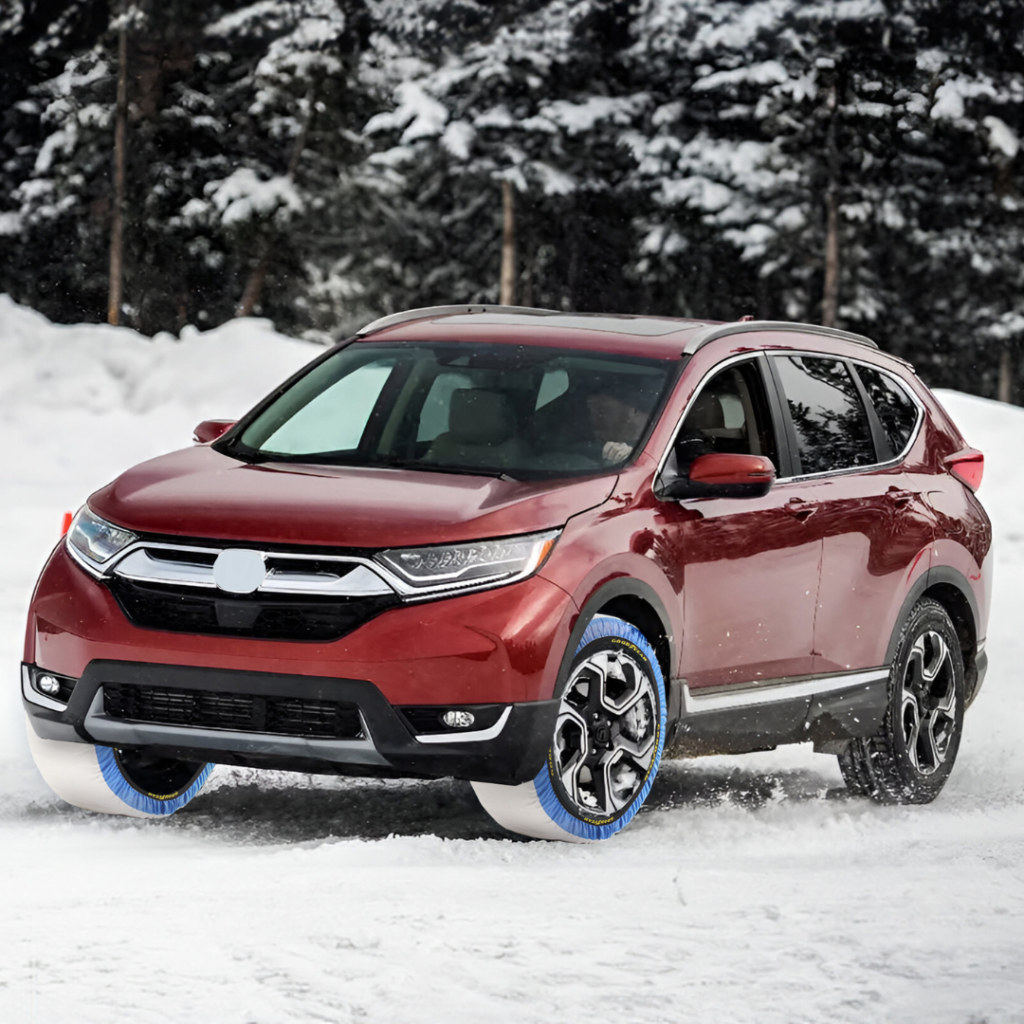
(830, 289)
(1006, 376)
(117, 211)
(830, 293)
(507, 294)
(254, 286)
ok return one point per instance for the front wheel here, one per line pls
(909, 759)
(113, 781)
(606, 747)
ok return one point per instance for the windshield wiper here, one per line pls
(433, 467)
(255, 457)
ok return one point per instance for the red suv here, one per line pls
(536, 551)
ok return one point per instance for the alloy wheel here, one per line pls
(928, 711)
(606, 732)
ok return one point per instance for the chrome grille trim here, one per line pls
(357, 577)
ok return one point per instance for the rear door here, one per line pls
(874, 537)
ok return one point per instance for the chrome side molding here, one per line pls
(771, 691)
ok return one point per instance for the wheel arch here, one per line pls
(953, 591)
(634, 602)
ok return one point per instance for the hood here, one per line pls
(199, 493)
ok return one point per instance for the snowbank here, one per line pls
(101, 369)
(997, 430)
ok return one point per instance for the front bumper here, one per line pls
(494, 646)
(383, 742)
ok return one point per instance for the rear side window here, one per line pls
(896, 411)
(829, 421)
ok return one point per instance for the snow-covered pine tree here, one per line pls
(323, 161)
(534, 98)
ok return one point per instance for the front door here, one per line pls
(751, 565)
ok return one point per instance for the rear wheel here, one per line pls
(606, 746)
(113, 781)
(909, 759)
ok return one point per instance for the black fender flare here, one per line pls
(623, 586)
(938, 574)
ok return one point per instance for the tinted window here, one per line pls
(729, 415)
(831, 426)
(521, 411)
(895, 409)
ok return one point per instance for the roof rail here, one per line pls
(701, 338)
(431, 311)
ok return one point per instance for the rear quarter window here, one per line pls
(897, 412)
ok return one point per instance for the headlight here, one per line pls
(95, 539)
(478, 563)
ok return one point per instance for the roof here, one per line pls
(661, 337)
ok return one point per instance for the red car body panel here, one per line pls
(197, 492)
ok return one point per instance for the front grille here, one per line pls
(234, 712)
(182, 609)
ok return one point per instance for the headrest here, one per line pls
(480, 416)
(705, 414)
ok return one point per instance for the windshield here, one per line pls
(504, 410)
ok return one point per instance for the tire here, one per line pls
(909, 759)
(617, 726)
(111, 781)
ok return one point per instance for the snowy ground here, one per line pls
(748, 890)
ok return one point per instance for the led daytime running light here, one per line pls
(452, 565)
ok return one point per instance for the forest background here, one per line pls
(324, 162)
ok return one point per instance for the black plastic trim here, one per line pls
(514, 756)
(623, 586)
(786, 447)
(981, 665)
(883, 451)
(937, 574)
(834, 715)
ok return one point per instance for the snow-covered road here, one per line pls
(748, 890)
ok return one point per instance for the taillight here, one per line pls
(967, 466)
(65, 523)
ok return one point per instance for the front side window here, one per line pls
(515, 410)
(730, 414)
(829, 421)
(896, 411)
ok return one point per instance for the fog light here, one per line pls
(48, 685)
(457, 719)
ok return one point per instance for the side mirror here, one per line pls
(721, 475)
(210, 430)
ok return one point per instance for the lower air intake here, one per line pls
(234, 712)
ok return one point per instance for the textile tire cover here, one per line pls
(535, 808)
(90, 777)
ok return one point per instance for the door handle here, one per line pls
(800, 509)
(900, 497)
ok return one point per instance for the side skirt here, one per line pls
(825, 710)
